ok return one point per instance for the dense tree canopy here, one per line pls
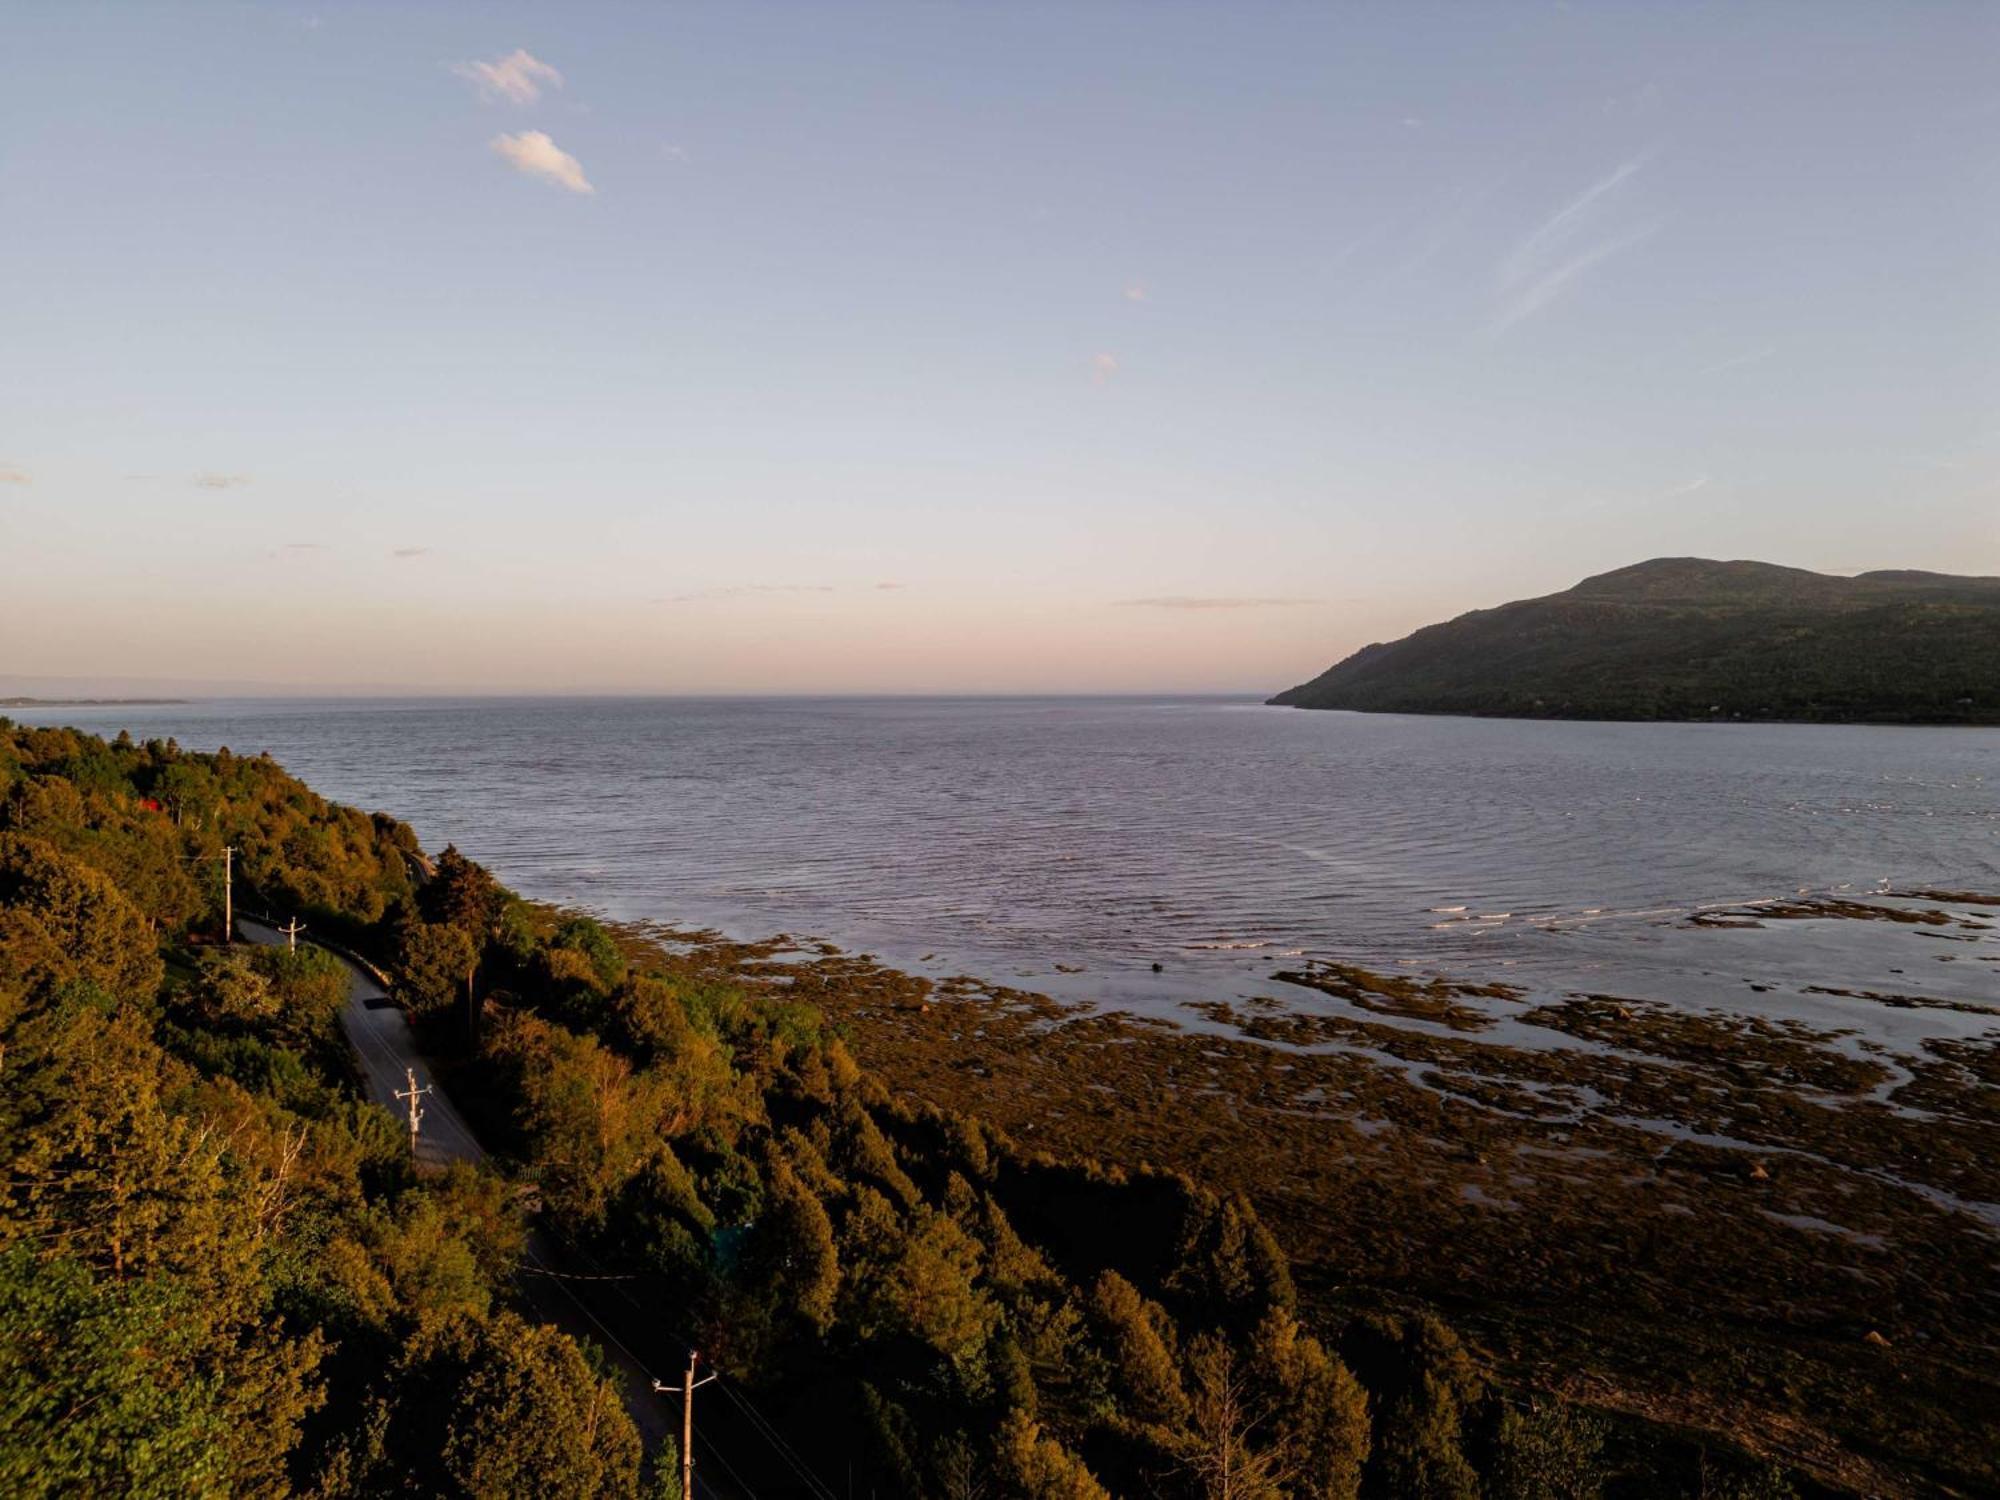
(220, 1272)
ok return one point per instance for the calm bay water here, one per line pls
(1070, 844)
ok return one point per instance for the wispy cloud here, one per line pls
(1738, 361)
(305, 546)
(884, 586)
(1136, 292)
(1102, 368)
(219, 481)
(1528, 300)
(1548, 259)
(409, 551)
(14, 476)
(516, 78)
(746, 590)
(1699, 482)
(534, 153)
(675, 153)
(1206, 601)
(1552, 231)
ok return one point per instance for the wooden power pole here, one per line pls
(413, 1094)
(228, 893)
(291, 933)
(686, 1391)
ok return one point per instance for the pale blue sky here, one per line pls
(1138, 347)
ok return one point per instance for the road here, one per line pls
(387, 1050)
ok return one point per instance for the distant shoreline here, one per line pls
(1740, 720)
(91, 702)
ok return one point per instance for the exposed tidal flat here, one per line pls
(1663, 1056)
(1781, 1233)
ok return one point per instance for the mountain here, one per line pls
(1690, 638)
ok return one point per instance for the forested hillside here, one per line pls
(1687, 638)
(219, 1273)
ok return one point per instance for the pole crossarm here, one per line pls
(413, 1094)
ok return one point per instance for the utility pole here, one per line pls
(413, 1094)
(292, 934)
(228, 893)
(686, 1392)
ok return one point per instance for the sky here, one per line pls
(962, 347)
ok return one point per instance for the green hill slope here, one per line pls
(1688, 638)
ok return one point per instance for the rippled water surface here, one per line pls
(1006, 838)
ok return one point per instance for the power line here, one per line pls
(777, 1442)
(761, 1425)
(716, 1453)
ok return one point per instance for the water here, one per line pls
(1070, 844)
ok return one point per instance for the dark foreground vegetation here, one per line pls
(219, 1273)
(1686, 638)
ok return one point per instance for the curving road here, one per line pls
(380, 1036)
(382, 1041)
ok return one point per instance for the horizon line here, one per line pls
(110, 698)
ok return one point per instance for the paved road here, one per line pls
(381, 1038)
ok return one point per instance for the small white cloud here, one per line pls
(534, 153)
(1102, 368)
(15, 476)
(220, 481)
(674, 153)
(409, 551)
(1136, 292)
(891, 585)
(517, 77)
(305, 546)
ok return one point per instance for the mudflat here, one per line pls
(1766, 1228)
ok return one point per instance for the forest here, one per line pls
(221, 1274)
